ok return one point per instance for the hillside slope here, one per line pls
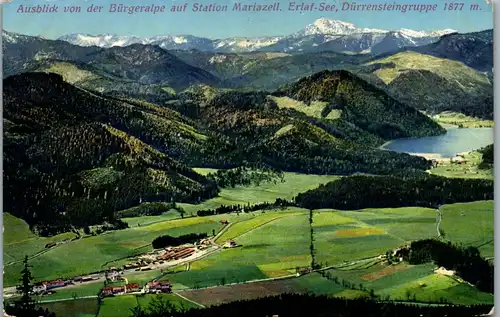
(71, 157)
(88, 77)
(433, 84)
(362, 104)
(253, 128)
(473, 49)
(145, 64)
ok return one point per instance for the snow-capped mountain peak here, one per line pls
(420, 34)
(348, 36)
(328, 27)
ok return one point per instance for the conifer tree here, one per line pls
(26, 304)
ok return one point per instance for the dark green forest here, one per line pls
(300, 305)
(362, 191)
(75, 158)
(169, 241)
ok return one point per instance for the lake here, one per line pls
(447, 145)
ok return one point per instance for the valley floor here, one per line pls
(348, 244)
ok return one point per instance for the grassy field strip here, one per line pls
(66, 299)
(241, 228)
(222, 231)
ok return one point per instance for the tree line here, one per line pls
(362, 191)
(169, 241)
(225, 209)
(300, 305)
(488, 157)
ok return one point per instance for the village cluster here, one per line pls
(151, 287)
(170, 256)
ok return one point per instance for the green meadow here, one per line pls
(470, 224)
(94, 253)
(266, 251)
(292, 185)
(121, 306)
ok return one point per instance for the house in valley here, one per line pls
(230, 244)
(159, 287)
(130, 288)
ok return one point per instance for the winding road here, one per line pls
(439, 222)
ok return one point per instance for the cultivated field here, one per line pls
(95, 252)
(353, 235)
(266, 251)
(121, 306)
(74, 308)
(271, 245)
(470, 224)
(312, 283)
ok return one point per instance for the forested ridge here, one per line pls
(363, 104)
(65, 149)
(74, 151)
(362, 191)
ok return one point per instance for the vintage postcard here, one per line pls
(247, 158)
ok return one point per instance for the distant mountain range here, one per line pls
(148, 72)
(323, 34)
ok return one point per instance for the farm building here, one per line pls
(176, 254)
(112, 290)
(159, 286)
(107, 291)
(302, 271)
(54, 284)
(205, 241)
(230, 244)
(130, 266)
(118, 289)
(50, 245)
(132, 288)
(87, 278)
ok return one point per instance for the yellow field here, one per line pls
(359, 232)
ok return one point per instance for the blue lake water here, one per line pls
(447, 145)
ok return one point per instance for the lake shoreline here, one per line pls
(455, 142)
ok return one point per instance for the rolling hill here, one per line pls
(360, 103)
(88, 77)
